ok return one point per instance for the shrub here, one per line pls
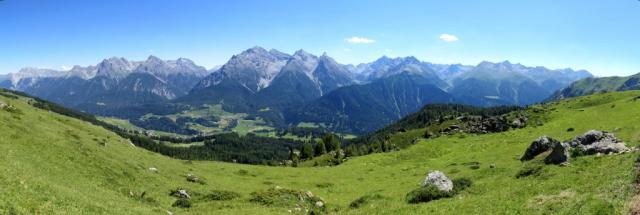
(426, 193)
(363, 200)
(182, 203)
(460, 184)
(221, 195)
(431, 192)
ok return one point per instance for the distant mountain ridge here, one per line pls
(287, 89)
(114, 82)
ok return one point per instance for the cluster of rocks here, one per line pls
(594, 142)
(519, 122)
(484, 125)
(590, 143)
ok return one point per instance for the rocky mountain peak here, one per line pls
(303, 55)
(410, 60)
(115, 67)
(154, 60)
(255, 50)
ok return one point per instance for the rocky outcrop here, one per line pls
(538, 146)
(594, 142)
(559, 154)
(485, 125)
(439, 180)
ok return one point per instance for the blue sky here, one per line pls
(597, 35)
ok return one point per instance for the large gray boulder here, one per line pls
(538, 146)
(559, 154)
(595, 141)
(439, 180)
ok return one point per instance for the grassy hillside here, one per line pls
(53, 164)
(593, 85)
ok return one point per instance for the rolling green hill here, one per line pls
(592, 85)
(52, 164)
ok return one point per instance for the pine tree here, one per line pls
(320, 148)
(331, 142)
(307, 151)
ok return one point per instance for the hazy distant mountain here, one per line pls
(592, 85)
(447, 72)
(396, 87)
(114, 82)
(485, 84)
(385, 67)
(506, 83)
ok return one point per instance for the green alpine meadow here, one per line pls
(54, 164)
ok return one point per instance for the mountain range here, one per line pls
(111, 85)
(257, 79)
(289, 89)
(394, 87)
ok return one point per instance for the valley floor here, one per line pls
(51, 164)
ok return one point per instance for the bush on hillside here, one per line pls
(460, 184)
(182, 203)
(364, 200)
(426, 193)
(221, 195)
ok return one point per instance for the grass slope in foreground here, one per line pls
(52, 164)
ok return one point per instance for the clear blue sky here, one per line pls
(597, 35)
